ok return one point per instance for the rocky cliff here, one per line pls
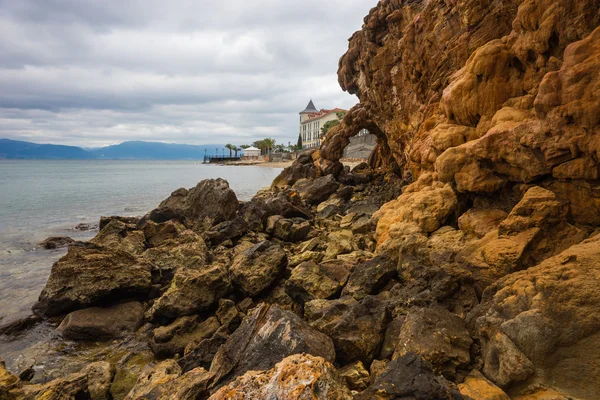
(460, 262)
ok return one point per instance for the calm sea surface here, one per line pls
(49, 198)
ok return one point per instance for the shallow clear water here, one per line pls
(49, 198)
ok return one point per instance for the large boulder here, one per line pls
(97, 323)
(439, 337)
(167, 341)
(89, 275)
(288, 229)
(316, 190)
(297, 377)
(369, 277)
(258, 267)
(356, 328)
(409, 377)
(199, 208)
(165, 381)
(265, 337)
(193, 289)
(92, 382)
(541, 325)
(302, 168)
(120, 236)
(310, 280)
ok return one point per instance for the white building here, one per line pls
(311, 122)
(251, 152)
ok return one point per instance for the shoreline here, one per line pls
(349, 162)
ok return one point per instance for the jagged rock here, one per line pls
(377, 367)
(199, 208)
(201, 353)
(93, 382)
(126, 220)
(9, 384)
(265, 337)
(355, 375)
(356, 328)
(310, 280)
(296, 377)
(297, 259)
(56, 242)
(173, 339)
(193, 289)
(439, 337)
(543, 323)
(88, 275)
(392, 337)
(302, 168)
(288, 229)
(330, 207)
(186, 250)
(409, 377)
(426, 203)
(314, 191)
(369, 277)
(476, 386)
(165, 382)
(340, 242)
(534, 230)
(97, 323)
(157, 234)
(258, 267)
(120, 236)
(128, 368)
(480, 221)
(228, 315)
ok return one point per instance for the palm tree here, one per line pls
(230, 147)
(235, 149)
(245, 146)
(269, 143)
(261, 145)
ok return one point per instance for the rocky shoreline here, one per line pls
(461, 261)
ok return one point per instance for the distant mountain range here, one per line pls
(137, 150)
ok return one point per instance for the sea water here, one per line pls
(39, 199)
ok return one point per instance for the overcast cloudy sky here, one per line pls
(97, 72)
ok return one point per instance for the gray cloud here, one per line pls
(98, 72)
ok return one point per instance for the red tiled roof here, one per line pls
(321, 114)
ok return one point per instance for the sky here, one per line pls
(99, 72)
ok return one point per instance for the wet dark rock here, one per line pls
(410, 377)
(172, 339)
(97, 323)
(199, 208)
(316, 190)
(126, 220)
(16, 327)
(201, 353)
(391, 338)
(356, 328)
(258, 267)
(265, 337)
(56, 242)
(88, 276)
(370, 277)
(194, 289)
(288, 229)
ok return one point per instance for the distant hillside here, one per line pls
(25, 150)
(13, 149)
(154, 150)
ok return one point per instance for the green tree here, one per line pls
(299, 144)
(235, 150)
(260, 144)
(245, 146)
(328, 125)
(269, 144)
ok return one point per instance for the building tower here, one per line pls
(310, 109)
